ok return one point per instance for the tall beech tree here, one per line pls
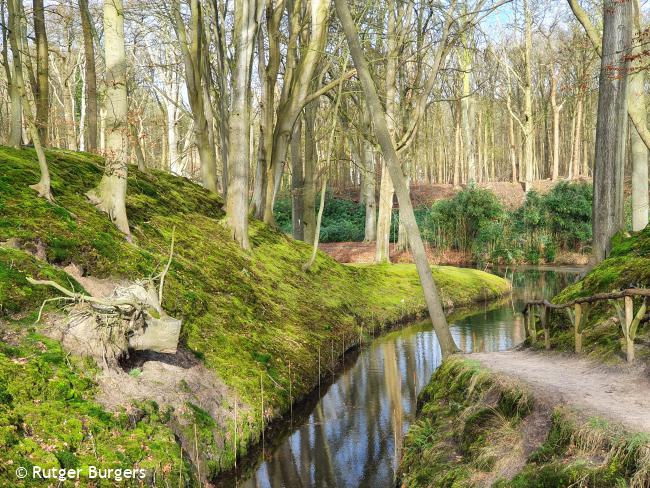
(110, 194)
(193, 46)
(382, 132)
(611, 127)
(18, 41)
(91, 77)
(12, 67)
(636, 108)
(245, 32)
(42, 85)
(295, 89)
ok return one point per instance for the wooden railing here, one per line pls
(578, 310)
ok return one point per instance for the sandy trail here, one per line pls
(620, 394)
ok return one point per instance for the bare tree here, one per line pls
(18, 43)
(90, 95)
(110, 194)
(42, 92)
(245, 32)
(11, 68)
(193, 49)
(447, 344)
(611, 130)
(637, 111)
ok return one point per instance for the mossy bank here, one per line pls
(628, 266)
(254, 320)
(476, 428)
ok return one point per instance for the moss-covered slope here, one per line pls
(246, 315)
(476, 428)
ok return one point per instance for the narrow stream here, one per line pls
(353, 435)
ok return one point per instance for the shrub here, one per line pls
(343, 220)
(568, 214)
(456, 222)
(474, 221)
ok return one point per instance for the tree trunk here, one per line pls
(639, 181)
(639, 151)
(386, 189)
(528, 126)
(110, 194)
(91, 77)
(368, 162)
(18, 41)
(246, 22)
(309, 196)
(556, 128)
(297, 182)
(402, 237)
(42, 94)
(171, 111)
(15, 99)
(607, 217)
(193, 60)
(446, 341)
(457, 151)
(468, 115)
(577, 138)
(294, 95)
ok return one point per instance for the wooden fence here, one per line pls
(578, 310)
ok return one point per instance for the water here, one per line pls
(353, 435)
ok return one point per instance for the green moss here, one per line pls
(462, 410)
(48, 419)
(245, 314)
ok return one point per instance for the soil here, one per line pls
(364, 252)
(617, 393)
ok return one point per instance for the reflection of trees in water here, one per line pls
(354, 435)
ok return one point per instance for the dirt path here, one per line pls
(619, 394)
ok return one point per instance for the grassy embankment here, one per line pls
(476, 428)
(249, 317)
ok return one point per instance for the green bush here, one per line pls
(343, 220)
(474, 221)
(568, 213)
(456, 222)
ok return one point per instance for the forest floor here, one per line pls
(511, 195)
(364, 252)
(617, 393)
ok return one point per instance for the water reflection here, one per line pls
(353, 436)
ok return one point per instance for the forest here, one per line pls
(242, 243)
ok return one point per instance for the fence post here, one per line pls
(629, 317)
(547, 336)
(577, 327)
(531, 324)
